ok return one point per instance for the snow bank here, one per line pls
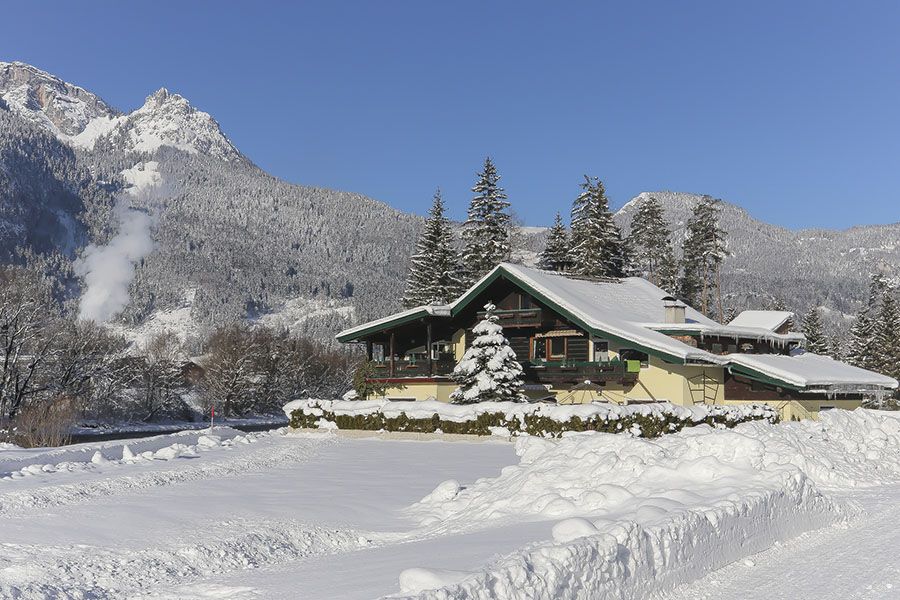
(511, 418)
(634, 517)
(17, 463)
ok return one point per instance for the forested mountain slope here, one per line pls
(232, 242)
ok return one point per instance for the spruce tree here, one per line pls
(886, 358)
(555, 256)
(596, 248)
(650, 244)
(704, 250)
(816, 340)
(433, 272)
(486, 231)
(489, 370)
(862, 350)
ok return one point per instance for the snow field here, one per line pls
(643, 516)
(278, 515)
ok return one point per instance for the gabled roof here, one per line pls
(762, 319)
(612, 309)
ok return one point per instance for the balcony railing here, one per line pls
(414, 368)
(550, 372)
(566, 372)
(525, 317)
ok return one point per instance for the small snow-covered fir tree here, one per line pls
(704, 250)
(489, 370)
(486, 231)
(816, 340)
(651, 246)
(433, 271)
(596, 249)
(555, 256)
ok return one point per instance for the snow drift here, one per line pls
(636, 516)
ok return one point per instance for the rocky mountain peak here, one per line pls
(46, 100)
(168, 119)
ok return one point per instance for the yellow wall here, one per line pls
(459, 344)
(421, 391)
(791, 410)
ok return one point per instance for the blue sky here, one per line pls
(790, 109)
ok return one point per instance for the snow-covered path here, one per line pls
(854, 561)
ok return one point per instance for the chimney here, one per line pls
(674, 310)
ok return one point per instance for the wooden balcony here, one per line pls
(526, 317)
(416, 368)
(557, 373)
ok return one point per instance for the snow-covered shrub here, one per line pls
(514, 418)
(489, 370)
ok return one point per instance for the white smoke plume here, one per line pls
(108, 270)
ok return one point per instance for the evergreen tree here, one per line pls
(651, 247)
(486, 231)
(704, 250)
(596, 248)
(887, 336)
(816, 340)
(433, 272)
(489, 370)
(862, 351)
(555, 256)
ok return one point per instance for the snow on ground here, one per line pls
(781, 510)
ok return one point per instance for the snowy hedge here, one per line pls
(512, 418)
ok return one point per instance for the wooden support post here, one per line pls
(369, 350)
(392, 353)
(428, 349)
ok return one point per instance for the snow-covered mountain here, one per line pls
(234, 242)
(804, 267)
(63, 109)
(167, 119)
(83, 120)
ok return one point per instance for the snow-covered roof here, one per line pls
(812, 372)
(728, 331)
(435, 310)
(762, 319)
(615, 308)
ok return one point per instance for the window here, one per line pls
(601, 351)
(524, 301)
(378, 352)
(441, 350)
(717, 348)
(539, 349)
(631, 354)
(557, 348)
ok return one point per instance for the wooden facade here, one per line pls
(553, 351)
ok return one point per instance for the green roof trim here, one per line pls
(385, 324)
(763, 378)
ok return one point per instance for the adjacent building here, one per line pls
(614, 340)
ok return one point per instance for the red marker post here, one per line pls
(212, 416)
